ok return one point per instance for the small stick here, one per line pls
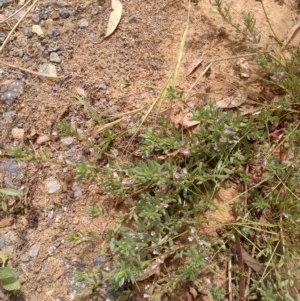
(29, 71)
(16, 25)
(229, 281)
(246, 293)
(9, 17)
(242, 282)
(215, 61)
(291, 35)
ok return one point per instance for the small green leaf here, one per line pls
(11, 284)
(4, 205)
(6, 273)
(9, 191)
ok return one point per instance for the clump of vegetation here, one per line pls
(160, 244)
(8, 279)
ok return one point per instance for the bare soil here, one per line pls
(124, 73)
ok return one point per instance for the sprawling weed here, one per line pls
(169, 186)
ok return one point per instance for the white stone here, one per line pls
(52, 185)
(37, 30)
(17, 133)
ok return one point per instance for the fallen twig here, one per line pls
(210, 64)
(29, 71)
(16, 12)
(291, 35)
(16, 25)
(229, 281)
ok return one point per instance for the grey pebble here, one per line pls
(10, 92)
(44, 266)
(34, 250)
(2, 37)
(111, 110)
(76, 187)
(97, 261)
(9, 250)
(67, 140)
(9, 115)
(52, 185)
(25, 257)
(36, 18)
(53, 34)
(83, 23)
(54, 57)
(2, 242)
(101, 85)
(51, 250)
(132, 18)
(10, 167)
(64, 13)
(4, 2)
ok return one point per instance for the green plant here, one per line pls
(171, 182)
(65, 128)
(7, 192)
(8, 279)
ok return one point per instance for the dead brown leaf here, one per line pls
(115, 17)
(229, 103)
(151, 270)
(249, 110)
(251, 262)
(184, 119)
(195, 64)
(81, 92)
(6, 222)
(245, 70)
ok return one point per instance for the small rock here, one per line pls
(52, 185)
(8, 116)
(111, 110)
(2, 37)
(44, 266)
(36, 18)
(25, 257)
(17, 133)
(2, 242)
(48, 69)
(53, 34)
(67, 140)
(97, 261)
(64, 13)
(55, 16)
(10, 167)
(54, 58)
(132, 18)
(83, 23)
(42, 139)
(77, 190)
(51, 250)
(4, 2)
(75, 220)
(11, 91)
(37, 30)
(101, 85)
(9, 250)
(54, 48)
(34, 250)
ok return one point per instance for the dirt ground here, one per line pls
(124, 73)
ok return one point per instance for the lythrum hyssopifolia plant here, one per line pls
(169, 189)
(169, 184)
